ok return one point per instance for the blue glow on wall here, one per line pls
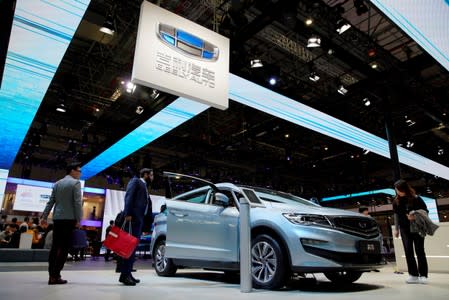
(170, 117)
(258, 97)
(40, 35)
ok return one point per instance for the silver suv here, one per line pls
(289, 235)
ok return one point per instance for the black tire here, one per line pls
(343, 277)
(164, 266)
(268, 263)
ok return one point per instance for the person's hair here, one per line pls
(362, 209)
(4, 217)
(402, 186)
(72, 166)
(14, 220)
(26, 219)
(14, 226)
(145, 171)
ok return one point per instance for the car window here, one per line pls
(197, 197)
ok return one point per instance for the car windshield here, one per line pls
(280, 197)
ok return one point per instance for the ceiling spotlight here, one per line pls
(374, 65)
(330, 51)
(61, 108)
(410, 122)
(256, 63)
(440, 151)
(108, 25)
(154, 94)
(313, 42)
(309, 21)
(130, 87)
(342, 90)
(286, 135)
(365, 151)
(342, 26)
(366, 102)
(314, 77)
(139, 110)
(272, 81)
(409, 144)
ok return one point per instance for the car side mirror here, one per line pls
(163, 208)
(221, 199)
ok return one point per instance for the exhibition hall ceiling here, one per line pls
(88, 106)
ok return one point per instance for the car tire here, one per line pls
(268, 267)
(164, 266)
(343, 277)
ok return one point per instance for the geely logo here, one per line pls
(187, 43)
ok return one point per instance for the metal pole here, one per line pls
(391, 141)
(245, 247)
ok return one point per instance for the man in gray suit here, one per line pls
(66, 198)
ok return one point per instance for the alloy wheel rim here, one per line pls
(264, 262)
(161, 261)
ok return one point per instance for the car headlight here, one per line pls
(306, 219)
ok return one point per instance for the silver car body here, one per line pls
(200, 233)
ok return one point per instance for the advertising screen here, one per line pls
(31, 198)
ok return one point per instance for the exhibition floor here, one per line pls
(97, 280)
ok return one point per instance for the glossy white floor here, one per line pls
(102, 283)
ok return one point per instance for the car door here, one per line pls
(198, 229)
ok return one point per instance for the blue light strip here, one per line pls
(346, 196)
(431, 203)
(414, 18)
(253, 95)
(40, 35)
(170, 117)
(49, 185)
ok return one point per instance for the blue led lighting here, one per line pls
(168, 38)
(346, 196)
(258, 97)
(170, 117)
(427, 22)
(208, 55)
(40, 35)
(189, 39)
(49, 185)
(431, 203)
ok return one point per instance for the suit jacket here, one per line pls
(66, 198)
(136, 199)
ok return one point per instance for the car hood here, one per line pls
(317, 210)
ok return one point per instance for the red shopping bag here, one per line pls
(121, 242)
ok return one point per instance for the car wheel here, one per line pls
(343, 277)
(164, 266)
(267, 263)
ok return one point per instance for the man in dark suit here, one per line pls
(136, 204)
(66, 198)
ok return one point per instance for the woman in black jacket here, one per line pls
(406, 201)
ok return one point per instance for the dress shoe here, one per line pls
(52, 281)
(127, 280)
(134, 279)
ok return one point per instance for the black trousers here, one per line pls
(62, 242)
(410, 241)
(126, 265)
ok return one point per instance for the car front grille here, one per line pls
(359, 226)
(345, 258)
